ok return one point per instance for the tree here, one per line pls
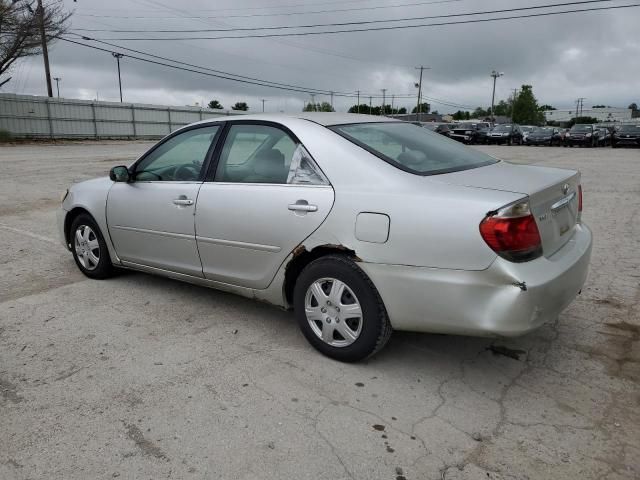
(318, 107)
(424, 108)
(20, 31)
(525, 108)
(240, 106)
(503, 108)
(598, 106)
(633, 106)
(545, 107)
(215, 104)
(461, 115)
(479, 113)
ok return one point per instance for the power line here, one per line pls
(371, 29)
(284, 14)
(344, 24)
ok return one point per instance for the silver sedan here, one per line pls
(361, 224)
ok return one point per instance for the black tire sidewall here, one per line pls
(373, 313)
(104, 268)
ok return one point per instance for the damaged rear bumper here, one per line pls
(506, 299)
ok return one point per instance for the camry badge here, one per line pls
(565, 188)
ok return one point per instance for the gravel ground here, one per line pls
(144, 377)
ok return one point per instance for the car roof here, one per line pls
(322, 118)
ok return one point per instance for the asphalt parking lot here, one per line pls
(145, 377)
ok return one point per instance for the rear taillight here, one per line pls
(579, 202)
(512, 232)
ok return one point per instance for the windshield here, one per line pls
(630, 128)
(413, 149)
(543, 131)
(581, 128)
(467, 126)
(502, 128)
(527, 129)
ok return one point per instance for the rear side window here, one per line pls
(413, 149)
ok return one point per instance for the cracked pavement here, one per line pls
(145, 377)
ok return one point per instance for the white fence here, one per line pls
(26, 116)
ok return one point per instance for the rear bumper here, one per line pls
(488, 302)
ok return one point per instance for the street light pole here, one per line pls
(57, 79)
(118, 56)
(263, 100)
(495, 76)
(45, 51)
(384, 94)
(419, 105)
(358, 107)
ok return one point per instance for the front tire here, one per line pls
(339, 310)
(89, 248)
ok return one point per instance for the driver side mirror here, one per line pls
(119, 174)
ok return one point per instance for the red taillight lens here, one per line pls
(512, 233)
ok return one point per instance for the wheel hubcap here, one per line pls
(87, 247)
(333, 312)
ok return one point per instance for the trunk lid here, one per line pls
(552, 192)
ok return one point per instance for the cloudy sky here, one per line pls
(594, 55)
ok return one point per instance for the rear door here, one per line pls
(151, 220)
(266, 197)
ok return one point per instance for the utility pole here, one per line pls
(57, 79)
(358, 107)
(369, 105)
(263, 100)
(579, 103)
(495, 76)
(419, 85)
(392, 98)
(118, 56)
(384, 96)
(313, 101)
(45, 52)
(331, 100)
(582, 99)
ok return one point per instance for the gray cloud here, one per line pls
(591, 55)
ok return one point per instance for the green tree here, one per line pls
(318, 107)
(424, 108)
(240, 106)
(461, 115)
(215, 104)
(503, 108)
(525, 108)
(479, 113)
(546, 107)
(633, 106)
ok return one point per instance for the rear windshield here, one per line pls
(413, 149)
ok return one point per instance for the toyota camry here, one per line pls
(362, 225)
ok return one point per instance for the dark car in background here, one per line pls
(603, 137)
(470, 132)
(508, 134)
(626, 135)
(585, 135)
(544, 136)
(441, 128)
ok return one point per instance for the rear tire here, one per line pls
(89, 248)
(327, 291)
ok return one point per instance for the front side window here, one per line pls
(265, 154)
(412, 148)
(178, 159)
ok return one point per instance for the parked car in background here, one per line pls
(468, 132)
(441, 128)
(603, 137)
(508, 134)
(584, 135)
(626, 135)
(359, 224)
(544, 136)
(526, 130)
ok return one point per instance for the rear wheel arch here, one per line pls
(303, 257)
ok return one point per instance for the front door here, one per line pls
(267, 196)
(151, 220)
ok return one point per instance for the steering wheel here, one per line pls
(186, 172)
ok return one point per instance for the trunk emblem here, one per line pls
(565, 188)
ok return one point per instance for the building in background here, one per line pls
(607, 114)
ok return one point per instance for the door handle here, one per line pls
(302, 206)
(182, 201)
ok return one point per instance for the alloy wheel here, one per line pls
(333, 312)
(87, 247)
